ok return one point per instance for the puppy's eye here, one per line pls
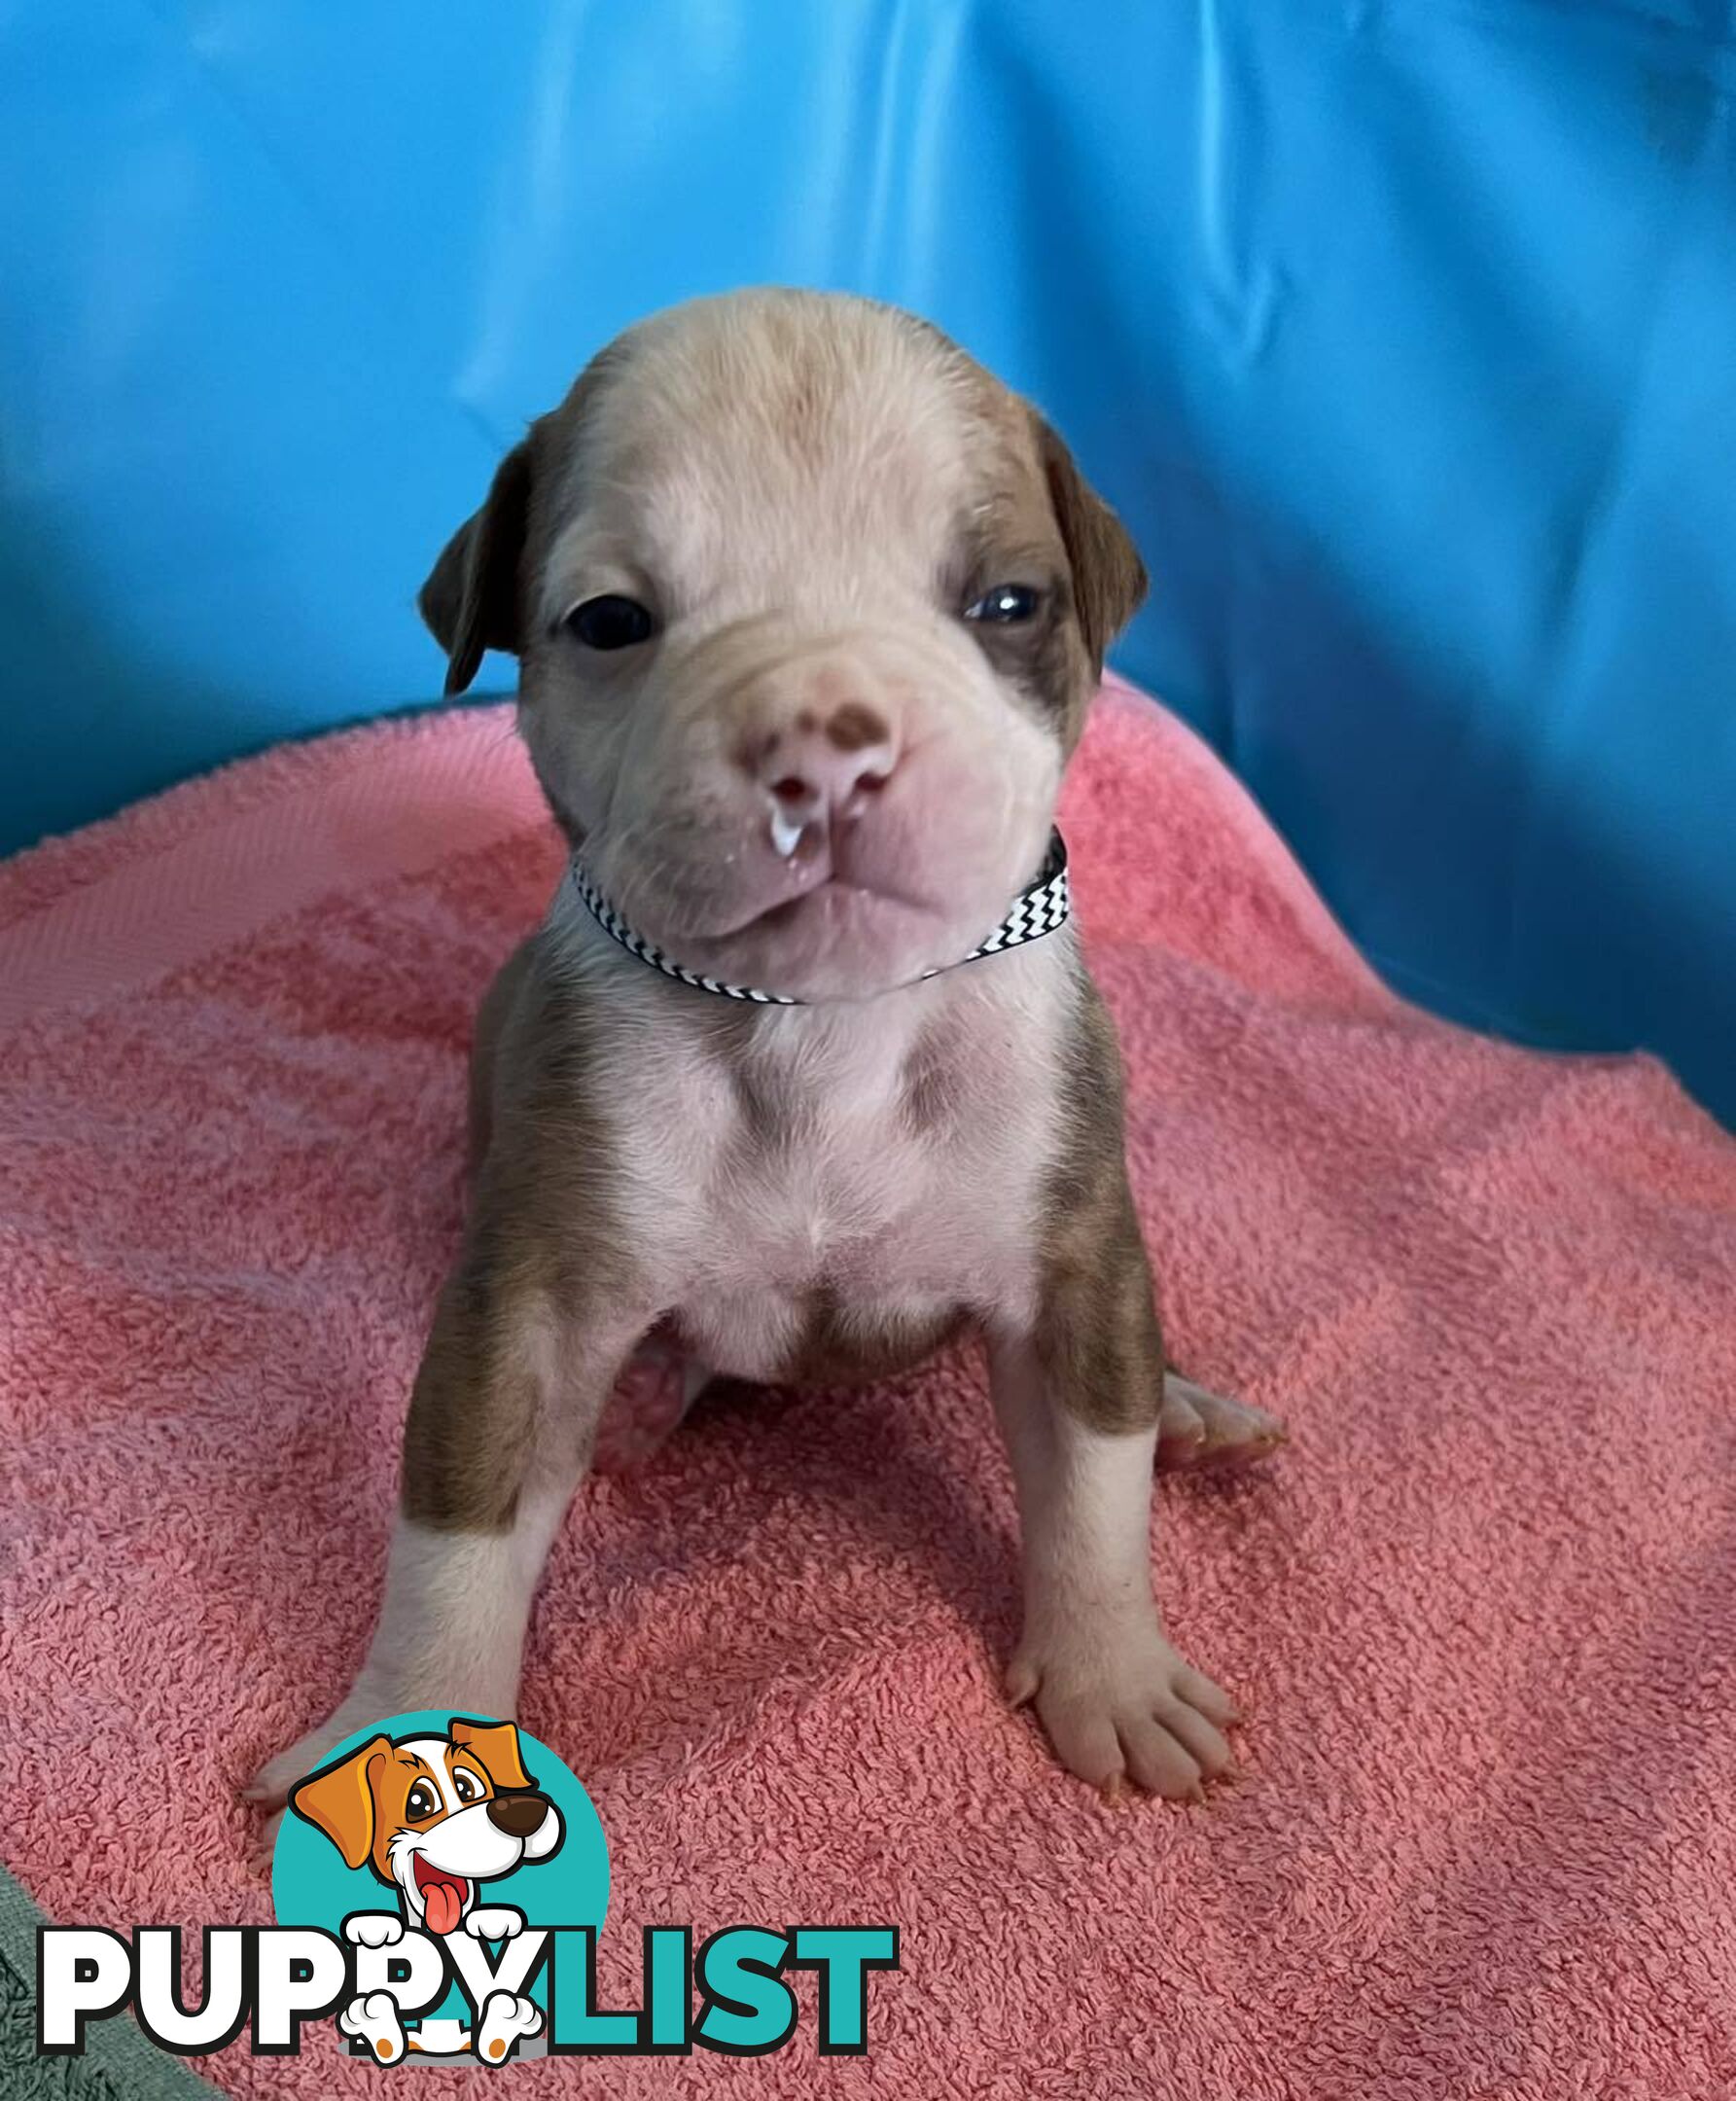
(609, 622)
(466, 1786)
(422, 1801)
(1005, 606)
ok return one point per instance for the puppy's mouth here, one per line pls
(832, 892)
(848, 913)
(443, 1896)
(825, 874)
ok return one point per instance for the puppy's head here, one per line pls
(809, 609)
(434, 1816)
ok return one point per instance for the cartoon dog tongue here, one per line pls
(443, 1899)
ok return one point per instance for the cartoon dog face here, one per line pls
(434, 1816)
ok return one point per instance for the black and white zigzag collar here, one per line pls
(1040, 908)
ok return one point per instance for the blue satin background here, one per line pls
(1402, 331)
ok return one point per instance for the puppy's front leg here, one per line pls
(1078, 1399)
(522, 1355)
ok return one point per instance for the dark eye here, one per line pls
(466, 1786)
(1005, 605)
(422, 1801)
(609, 622)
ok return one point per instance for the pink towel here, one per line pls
(1480, 1614)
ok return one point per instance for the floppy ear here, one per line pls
(471, 599)
(496, 1744)
(340, 1802)
(1108, 579)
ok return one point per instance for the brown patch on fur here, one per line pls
(1033, 486)
(854, 726)
(498, 1003)
(476, 596)
(1098, 1333)
(541, 1246)
(472, 1410)
(1037, 521)
(1108, 579)
(471, 599)
(931, 1085)
(766, 1117)
(1043, 657)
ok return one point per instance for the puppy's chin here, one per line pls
(836, 942)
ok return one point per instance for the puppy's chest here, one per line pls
(838, 1211)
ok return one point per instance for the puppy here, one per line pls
(803, 1072)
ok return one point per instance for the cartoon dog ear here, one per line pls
(496, 1745)
(338, 1800)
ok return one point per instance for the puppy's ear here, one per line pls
(471, 599)
(496, 1745)
(338, 1800)
(1108, 579)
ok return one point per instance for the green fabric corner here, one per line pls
(118, 2064)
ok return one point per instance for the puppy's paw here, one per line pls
(373, 1700)
(1199, 1429)
(494, 1922)
(374, 1929)
(505, 2018)
(1120, 1704)
(270, 1788)
(374, 2020)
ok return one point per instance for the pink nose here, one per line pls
(827, 764)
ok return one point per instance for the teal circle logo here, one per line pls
(442, 1847)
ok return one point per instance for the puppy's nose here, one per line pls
(826, 763)
(518, 1815)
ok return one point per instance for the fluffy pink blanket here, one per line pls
(1480, 1614)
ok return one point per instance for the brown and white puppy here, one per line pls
(810, 609)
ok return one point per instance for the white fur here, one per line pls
(1115, 1695)
(1084, 1501)
(452, 1625)
(902, 1224)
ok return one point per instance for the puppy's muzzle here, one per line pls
(518, 1815)
(819, 767)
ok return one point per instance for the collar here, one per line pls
(1040, 908)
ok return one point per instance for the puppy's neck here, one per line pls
(1011, 996)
